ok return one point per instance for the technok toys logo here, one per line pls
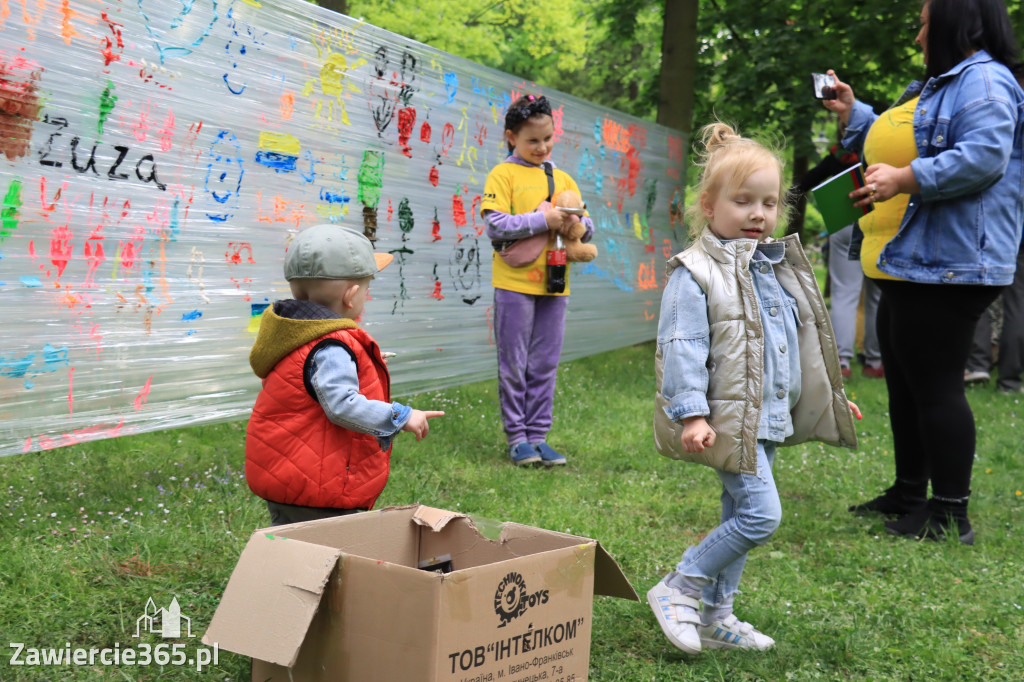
(511, 599)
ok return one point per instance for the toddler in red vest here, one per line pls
(318, 442)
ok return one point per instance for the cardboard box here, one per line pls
(367, 597)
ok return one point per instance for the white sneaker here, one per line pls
(678, 623)
(732, 633)
(976, 377)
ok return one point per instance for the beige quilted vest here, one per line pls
(736, 362)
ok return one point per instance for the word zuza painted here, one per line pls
(157, 158)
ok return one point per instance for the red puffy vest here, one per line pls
(295, 455)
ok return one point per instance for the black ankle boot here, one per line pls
(935, 521)
(897, 500)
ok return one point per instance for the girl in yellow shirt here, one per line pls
(529, 322)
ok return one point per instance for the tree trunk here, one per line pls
(676, 83)
(339, 6)
(678, 65)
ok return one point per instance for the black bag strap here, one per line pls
(550, 172)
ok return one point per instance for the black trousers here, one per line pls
(281, 513)
(925, 332)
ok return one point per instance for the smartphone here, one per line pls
(824, 86)
(574, 211)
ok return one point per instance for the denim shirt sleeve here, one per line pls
(335, 380)
(684, 338)
(861, 118)
(982, 135)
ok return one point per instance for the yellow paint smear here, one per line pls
(280, 142)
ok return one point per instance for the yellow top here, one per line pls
(514, 189)
(889, 140)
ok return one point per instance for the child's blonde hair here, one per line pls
(726, 160)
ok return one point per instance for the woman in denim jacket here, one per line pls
(947, 175)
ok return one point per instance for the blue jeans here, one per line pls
(751, 513)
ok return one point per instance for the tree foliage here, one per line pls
(755, 60)
(539, 42)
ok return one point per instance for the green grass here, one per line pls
(90, 532)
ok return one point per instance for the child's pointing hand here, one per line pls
(417, 423)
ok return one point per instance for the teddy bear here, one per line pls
(575, 250)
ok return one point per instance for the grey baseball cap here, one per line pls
(332, 252)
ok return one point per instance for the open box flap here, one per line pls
(435, 519)
(608, 577)
(272, 596)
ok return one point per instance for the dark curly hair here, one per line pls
(522, 110)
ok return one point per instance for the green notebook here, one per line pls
(832, 198)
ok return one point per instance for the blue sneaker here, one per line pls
(549, 455)
(523, 453)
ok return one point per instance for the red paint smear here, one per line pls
(108, 52)
(434, 176)
(473, 214)
(425, 132)
(406, 121)
(447, 138)
(436, 293)
(61, 248)
(458, 211)
(79, 436)
(143, 394)
(71, 395)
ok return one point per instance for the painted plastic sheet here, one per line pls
(158, 156)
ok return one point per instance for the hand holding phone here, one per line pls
(824, 85)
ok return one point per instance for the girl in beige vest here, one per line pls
(746, 361)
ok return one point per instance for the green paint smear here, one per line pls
(489, 528)
(108, 100)
(9, 213)
(405, 219)
(371, 172)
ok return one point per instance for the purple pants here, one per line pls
(529, 330)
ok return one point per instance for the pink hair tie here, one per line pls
(529, 97)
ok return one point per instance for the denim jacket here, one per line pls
(964, 226)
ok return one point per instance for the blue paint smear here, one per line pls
(451, 85)
(188, 317)
(54, 356)
(333, 197)
(308, 156)
(31, 282)
(16, 368)
(20, 368)
(282, 163)
(591, 269)
(258, 308)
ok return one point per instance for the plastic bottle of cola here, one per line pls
(556, 267)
